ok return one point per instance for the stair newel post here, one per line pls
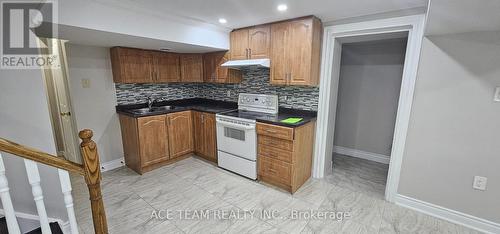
(92, 175)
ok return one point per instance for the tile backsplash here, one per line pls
(255, 80)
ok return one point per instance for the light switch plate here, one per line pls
(496, 98)
(85, 83)
(480, 182)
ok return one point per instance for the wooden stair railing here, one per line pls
(90, 170)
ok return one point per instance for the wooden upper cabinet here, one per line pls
(250, 43)
(152, 132)
(209, 66)
(259, 38)
(131, 65)
(295, 52)
(167, 67)
(215, 73)
(180, 133)
(191, 67)
(239, 44)
(279, 49)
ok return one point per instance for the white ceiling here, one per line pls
(460, 16)
(241, 13)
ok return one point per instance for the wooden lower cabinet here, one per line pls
(152, 141)
(205, 136)
(180, 133)
(285, 154)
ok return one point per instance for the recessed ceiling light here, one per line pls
(222, 21)
(282, 7)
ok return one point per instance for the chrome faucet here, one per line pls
(151, 101)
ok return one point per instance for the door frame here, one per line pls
(328, 90)
(57, 91)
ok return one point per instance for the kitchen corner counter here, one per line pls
(285, 113)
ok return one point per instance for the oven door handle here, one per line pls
(237, 126)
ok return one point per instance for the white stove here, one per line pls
(236, 136)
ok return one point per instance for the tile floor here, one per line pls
(359, 175)
(194, 184)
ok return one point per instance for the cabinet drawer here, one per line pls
(275, 131)
(275, 153)
(275, 170)
(276, 142)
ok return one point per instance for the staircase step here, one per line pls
(54, 226)
(3, 226)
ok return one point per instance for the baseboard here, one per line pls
(362, 154)
(110, 165)
(450, 215)
(65, 227)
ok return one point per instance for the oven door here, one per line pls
(237, 139)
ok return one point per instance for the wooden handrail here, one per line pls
(38, 156)
(90, 169)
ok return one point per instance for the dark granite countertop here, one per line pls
(285, 113)
(198, 104)
(216, 107)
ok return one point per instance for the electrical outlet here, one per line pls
(85, 83)
(480, 182)
(284, 98)
(496, 97)
(228, 94)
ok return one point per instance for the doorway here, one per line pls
(334, 37)
(370, 78)
(58, 99)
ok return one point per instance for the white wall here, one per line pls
(24, 118)
(455, 125)
(370, 81)
(94, 107)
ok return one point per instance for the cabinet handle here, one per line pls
(249, 53)
(203, 118)
(270, 131)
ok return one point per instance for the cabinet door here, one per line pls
(258, 41)
(239, 44)
(131, 65)
(279, 48)
(209, 136)
(300, 51)
(209, 67)
(168, 68)
(153, 139)
(180, 133)
(191, 68)
(198, 130)
(222, 73)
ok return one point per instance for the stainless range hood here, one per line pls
(247, 63)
